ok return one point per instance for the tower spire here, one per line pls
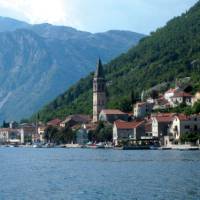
(99, 70)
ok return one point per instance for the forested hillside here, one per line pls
(169, 53)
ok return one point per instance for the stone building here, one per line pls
(99, 94)
(111, 115)
(142, 109)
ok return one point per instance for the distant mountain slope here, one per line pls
(9, 24)
(171, 52)
(39, 62)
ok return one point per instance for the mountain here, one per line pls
(170, 52)
(9, 24)
(39, 62)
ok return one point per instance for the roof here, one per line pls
(182, 94)
(128, 125)
(90, 126)
(54, 122)
(113, 112)
(78, 118)
(164, 117)
(141, 104)
(171, 90)
(99, 70)
(182, 117)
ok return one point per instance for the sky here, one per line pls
(141, 16)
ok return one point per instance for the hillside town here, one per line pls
(148, 126)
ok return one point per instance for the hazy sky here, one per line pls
(97, 15)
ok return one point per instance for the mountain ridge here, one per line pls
(35, 68)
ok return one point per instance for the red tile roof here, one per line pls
(182, 94)
(182, 117)
(128, 125)
(164, 117)
(113, 112)
(54, 122)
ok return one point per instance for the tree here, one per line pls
(196, 107)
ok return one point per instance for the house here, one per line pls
(161, 104)
(196, 98)
(27, 131)
(126, 131)
(73, 120)
(181, 97)
(183, 124)
(160, 124)
(142, 109)
(111, 115)
(170, 93)
(9, 135)
(54, 122)
(40, 132)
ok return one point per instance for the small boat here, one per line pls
(37, 146)
(100, 145)
(165, 148)
(153, 147)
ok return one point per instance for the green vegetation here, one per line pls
(169, 53)
(101, 134)
(59, 135)
(190, 137)
(188, 110)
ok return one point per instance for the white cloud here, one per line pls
(38, 11)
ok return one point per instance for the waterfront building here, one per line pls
(111, 115)
(127, 131)
(9, 135)
(183, 124)
(28, 131)
(99, 91)
(160, 124)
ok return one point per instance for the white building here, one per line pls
(181, 97)
(170, 93)
(125, 131)
(8, 135)
(196, 98)
(183, 124)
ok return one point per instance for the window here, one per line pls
(187, 126)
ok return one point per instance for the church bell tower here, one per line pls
(99, 94)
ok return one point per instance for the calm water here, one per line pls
(83, 174)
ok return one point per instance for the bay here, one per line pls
(85, 174)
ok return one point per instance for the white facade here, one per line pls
(155, 127)
(170, 93)
(181, 126)
(122, 134)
